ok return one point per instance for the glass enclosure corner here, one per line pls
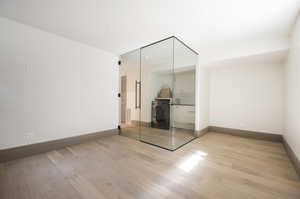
(158, 94)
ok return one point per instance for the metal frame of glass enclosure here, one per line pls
(160, 99)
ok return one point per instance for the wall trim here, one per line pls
(247, 134)
(33, 149)
(202, 132)
(261, 136)
(295, 161)
(141, 123)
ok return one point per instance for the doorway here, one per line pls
(123, 98)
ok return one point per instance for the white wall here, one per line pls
(202, 97)
(248, 97)
(292, 88)
(51, 87)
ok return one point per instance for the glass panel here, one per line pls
(156, 93)
(183, 107)
(129, 84)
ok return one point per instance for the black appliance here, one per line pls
(160, 114)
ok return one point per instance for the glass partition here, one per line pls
(159, 98)
(130, 92)
(157, 90)
(183, 107)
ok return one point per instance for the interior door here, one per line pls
(123, 98)
(156, 94)
(130, 78)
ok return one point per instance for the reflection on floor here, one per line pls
(170, 139)
(214, 166)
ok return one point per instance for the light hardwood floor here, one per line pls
(169, 139)
(215, 166)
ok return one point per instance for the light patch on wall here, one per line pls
(191, 162)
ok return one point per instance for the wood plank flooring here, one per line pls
(169, 139)
(215, 166)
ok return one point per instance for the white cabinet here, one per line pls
(183, 116)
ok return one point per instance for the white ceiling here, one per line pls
(209, 26)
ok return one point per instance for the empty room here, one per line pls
(142, 99)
